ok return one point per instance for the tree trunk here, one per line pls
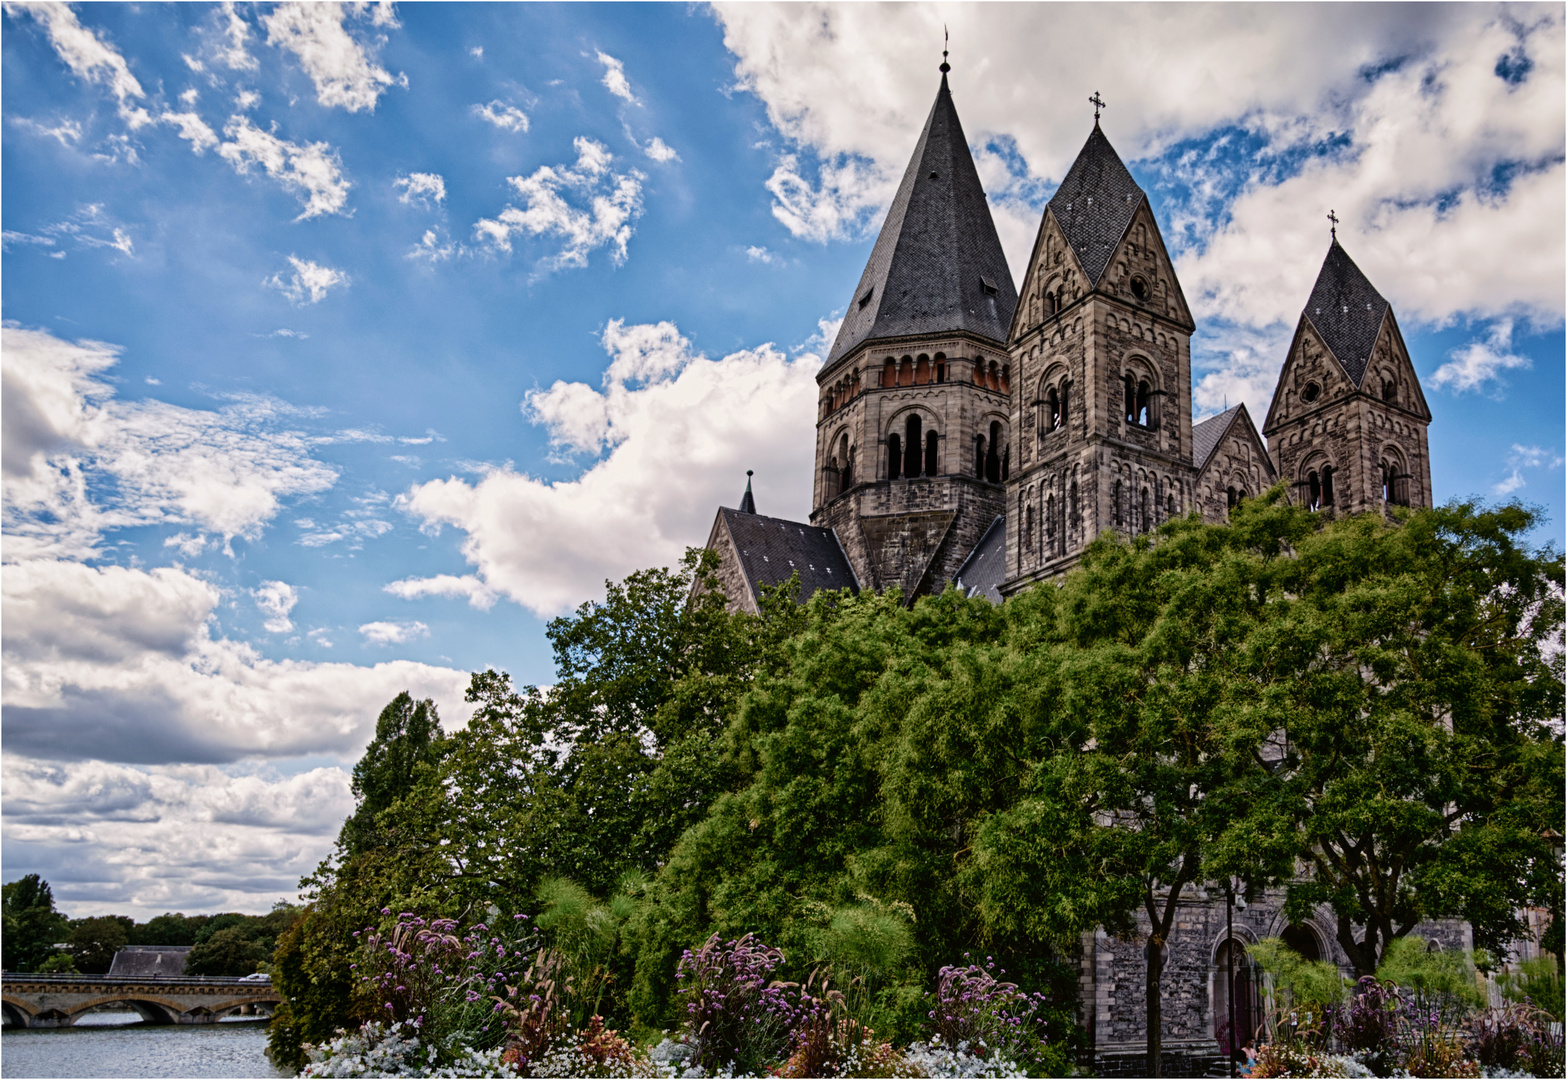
(1155, 1015)
(1362, 954)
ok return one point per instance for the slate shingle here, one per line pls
(937, 265)
(1095, 204)
(1207, 435)
(1347, 311)
(771, 549)
(986, 567)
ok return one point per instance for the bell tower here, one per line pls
(913, 425)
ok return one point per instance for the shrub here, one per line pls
(395, 1049)
(534, 1012)
(1369, 1024)
(972, 1009)
(1538, 982)
(735, 1013)
(1305, 992)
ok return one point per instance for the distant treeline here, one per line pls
(37, 938)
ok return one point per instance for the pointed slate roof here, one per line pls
(1207, 435)
(986, 566)
(770, 549)
(937, 265)
(1347, 312)
(748, 501)
(1095, 204)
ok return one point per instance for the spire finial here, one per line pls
(945, 40)
(1333, 227)
(748, 501)
(1098, 103)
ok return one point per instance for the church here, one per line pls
(967, 433)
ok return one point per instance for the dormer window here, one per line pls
(988, 285)
(866, 299)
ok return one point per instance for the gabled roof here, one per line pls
(937, 266)
(986, 567)
(770, 549)
(1095, 203)
(1207, 435)
(1347, 312)
(149, 961)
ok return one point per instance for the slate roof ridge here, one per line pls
(770, 549)
(1346, 311)
(1095, 204)
(985, 568)
(1208, 434)
(937, 265)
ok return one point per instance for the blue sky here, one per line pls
(344, 346)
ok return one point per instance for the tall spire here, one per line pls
(937, 266)
(1346, 310)
(747, 501)
(1095, 203)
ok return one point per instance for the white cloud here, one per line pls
(339, 65)
(421, 187)
(65, 131)
(233, 50)
(193, 129)
(433, 247)
(615, 78)
(88, 56)
(245, 100)
(393, 633)
(151, 839)
(309, 283)
(10, 237)
(1479, 362)
(477, 52)
(190, 96)
(841, 205)
(761, 255)
(275, 599)
(468, 586)
(78, 462)
(613, 203)
(660, 151)
(704, 421)
(1521, 458)
(312, 169)
(504, 116)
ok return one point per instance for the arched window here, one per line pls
(1028, 530)
(979, 457)
(1053, 409)
(1145, 523)
(894, 456)
(922, 370)
(906, 371)
(1313, 491)
(931, 443)
(1115, 502)
(1131, 399)
(1389, 391)
(1006, 378)
(1169, 506)
(993, 455)
(1050, 525)
(941, 367)
(889, 372)
(1065, 390)
(848, 467)
(1073, 523)
(1231, 500)
(915, 442)
(1327, 485)
(979, 372)
(1144, 403)
(993, 376)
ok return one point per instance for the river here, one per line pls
(117, 1044)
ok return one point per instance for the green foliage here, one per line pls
(94, 941)
(407, 736)
(1305, 988)
(31, 926)
(230, 951)
(1432, 977)
(170, 928)
(61, 963)
(1538, 982)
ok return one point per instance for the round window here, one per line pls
(1139, 288)
(1311, 393)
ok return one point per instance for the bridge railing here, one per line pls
(120, 980)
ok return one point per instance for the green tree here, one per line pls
(407, 736)
(94, 941)
(170, 928)
(229, 951)
(1413, 680)
(32, 927)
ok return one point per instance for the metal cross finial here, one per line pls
(1098, 103)
(945, 40)
(1333, 228)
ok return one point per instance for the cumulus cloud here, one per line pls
(468, 587)
(127, 661)
(615, 78)
(65, 131)
(421, 187)
(1479, 362)
(1521, 458)
(393, 633)
(664, 411)
(144, 840)
(275, 599)
(504, 116)
(309, 283)
(660, 151)
(433, 247)
(609, 204)
(313, 170)
(193, 129)
(839, 205)
(761, 255)
(89, 56)
(233, 46)
(78, 462)
(340, 66)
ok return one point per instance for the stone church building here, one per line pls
(973, 434)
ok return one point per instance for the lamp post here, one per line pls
(1229, 962)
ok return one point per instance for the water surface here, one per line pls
(118, 1044)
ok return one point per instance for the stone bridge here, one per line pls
(44, 1001)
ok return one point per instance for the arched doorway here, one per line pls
(1303, 939)
(1231, 957)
